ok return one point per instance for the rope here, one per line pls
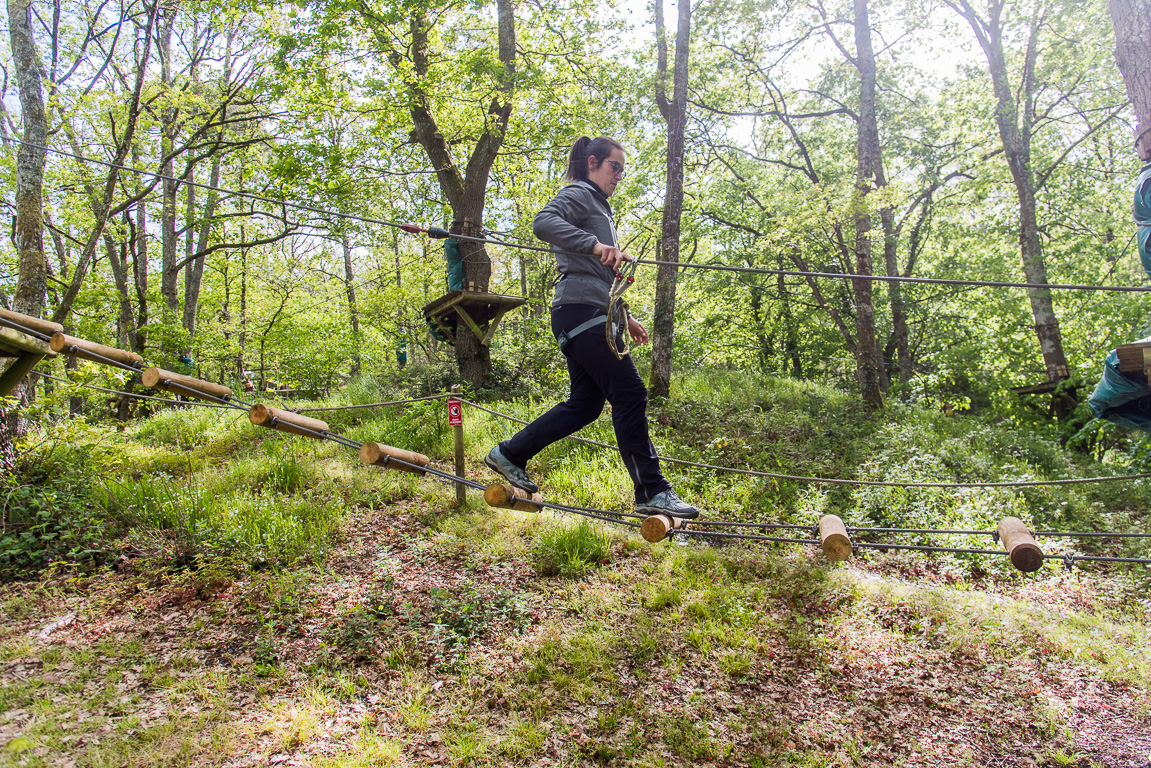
(372, 405)
(436, 232)
(840, 481)
(167, 400)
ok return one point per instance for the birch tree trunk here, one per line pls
(675, 114)
(168, 272)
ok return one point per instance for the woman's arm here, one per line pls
(554, 224)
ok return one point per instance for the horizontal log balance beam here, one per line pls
(1020, 544)
(833, 539)
(504, 496)
(21, 322)
(657, 527)
(90, 350)
(285, 421)
(380, 455)
(158, 378)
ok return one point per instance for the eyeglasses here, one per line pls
(616, 167)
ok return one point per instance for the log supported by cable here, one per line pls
(1020, 544)
(285, 421)
(833, 538)
(380, 455)
(504, 496)
(657, 527)
(158, 378)
(97, 353)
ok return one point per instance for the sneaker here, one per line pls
(667, 503)
(517, 476)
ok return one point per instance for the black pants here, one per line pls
(596, 375)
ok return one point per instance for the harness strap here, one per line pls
(567, 336)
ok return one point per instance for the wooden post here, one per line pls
(506, 496)
(90, 350)
(285, 421)
(1020, 545)
(657, 527)
(157, 378)
(458, 435)
(379, 455)
(834, 539)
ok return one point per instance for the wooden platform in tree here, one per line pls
(480, 311)
(1135, 357)
(26, 350)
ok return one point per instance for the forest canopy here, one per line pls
(222, 183)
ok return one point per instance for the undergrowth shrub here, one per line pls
(458, 618)
(571, 551)
(48, 518)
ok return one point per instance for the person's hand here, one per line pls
(609, 255)
(636, 330)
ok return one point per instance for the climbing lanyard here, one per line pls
(624, 277)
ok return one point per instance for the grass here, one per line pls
(281, 599)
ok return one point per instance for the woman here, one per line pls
(578, 224)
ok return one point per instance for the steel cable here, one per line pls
(841, 481)
(413, 229)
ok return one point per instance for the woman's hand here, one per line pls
(609, 255)
(636, 330)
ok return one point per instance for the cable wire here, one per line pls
(413, 229)
(842, 481)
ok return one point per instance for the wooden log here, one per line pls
(46, 327)
(380, 455)
(1020, 545)
(19, 342)
(19, 368)
(90, 350)
(158, 378)
(285, 421)
(504, 496)
(834, 539)
(657, 527)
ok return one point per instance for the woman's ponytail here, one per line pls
(584, 148)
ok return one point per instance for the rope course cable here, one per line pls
(133, 395)
(383, 404)
(441, 233)
(842, 481)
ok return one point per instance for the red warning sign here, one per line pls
(455, 413)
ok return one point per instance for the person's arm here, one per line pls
(554, 224)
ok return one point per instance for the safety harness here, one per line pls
(616, 308)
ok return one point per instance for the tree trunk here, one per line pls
(169, 188)
(1132, 22)
(868, 360)
(194, 269)
(895, 295)
(31, 286)
(675, 114)
(464, 191)
(353, 311)
(1015, 133)
(28, 232)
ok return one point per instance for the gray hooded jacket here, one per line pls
(572, 223)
